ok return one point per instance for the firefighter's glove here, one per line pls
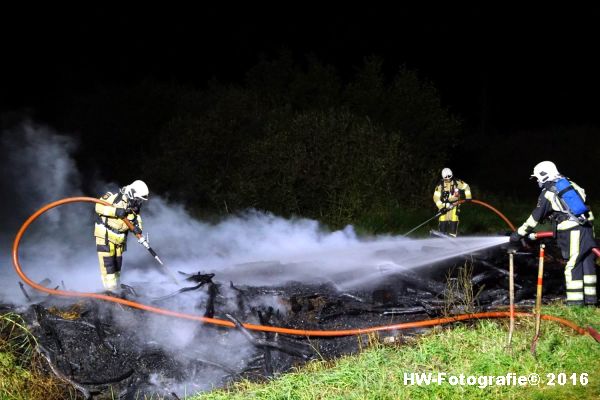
(120, 212)
(447, 207)
(515, 237)
(137, 230)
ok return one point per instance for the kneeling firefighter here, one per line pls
(111, 231)
(563, 202)
(445, 196)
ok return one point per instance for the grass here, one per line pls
(378, 372)
(22, 376)
(476, 349)
(470, 349)
(474, 218)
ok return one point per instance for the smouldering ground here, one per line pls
(470, 349)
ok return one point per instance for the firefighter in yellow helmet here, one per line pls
(445, 196)
(111, 231)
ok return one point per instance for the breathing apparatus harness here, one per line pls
(571, 202)
(132, 204)
(446, 193)
(454, 190)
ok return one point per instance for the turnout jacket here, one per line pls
(108, 225)
(550, 206)
(450, 191)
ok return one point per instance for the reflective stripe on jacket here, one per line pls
(549, 205)
(449, 192)
(110, 227)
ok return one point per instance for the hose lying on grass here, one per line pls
(254, 327)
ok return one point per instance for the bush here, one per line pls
(293, 139)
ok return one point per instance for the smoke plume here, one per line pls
(252, 248)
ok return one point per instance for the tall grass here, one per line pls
(459, 296)
(22, 372)
(470, 349)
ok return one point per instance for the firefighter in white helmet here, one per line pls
(446, 194)
(111, 231)
(563, 202)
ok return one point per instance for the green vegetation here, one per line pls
(291, 139)
(474, 219)
(298, 138)
(21, 374)
(477, 348)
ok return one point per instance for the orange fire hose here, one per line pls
(550, 234)
(262, 328)
(481, 203)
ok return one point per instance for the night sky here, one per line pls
(501, 69)
(505, 68)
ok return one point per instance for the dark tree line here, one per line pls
(300, 138)
(291, 139)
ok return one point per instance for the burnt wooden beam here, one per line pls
(263, 343)
(210, 304)
(45, 353)
(182, 290)
(24, 291)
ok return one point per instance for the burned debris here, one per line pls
(101, 348)
(199, 278)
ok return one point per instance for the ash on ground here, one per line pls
(107, 350)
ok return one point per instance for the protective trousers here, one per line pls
(580, 272)
(110, 258)
(448, 223)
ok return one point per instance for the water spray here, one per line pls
(420, 225)
(479, 202)
(255, 327)
(142, 240)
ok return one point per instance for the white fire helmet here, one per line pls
(545, 171)
(447, 173)
(136, 190)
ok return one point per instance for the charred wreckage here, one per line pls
(106, 349)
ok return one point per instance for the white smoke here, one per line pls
(37, 167)
(258, 248)
(253, 248)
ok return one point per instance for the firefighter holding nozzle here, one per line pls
(564, 203)
(111, 231)
(446, 195)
